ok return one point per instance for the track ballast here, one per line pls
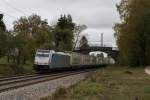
(9, 83)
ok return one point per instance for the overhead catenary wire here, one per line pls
(2, 12)
(16, 9)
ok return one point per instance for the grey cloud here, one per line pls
(96, 14)
(93, 13)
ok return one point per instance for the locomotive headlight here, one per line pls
(45, 63)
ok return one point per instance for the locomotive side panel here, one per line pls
(60, 61)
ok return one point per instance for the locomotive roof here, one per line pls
(62, 53)
(46, 51)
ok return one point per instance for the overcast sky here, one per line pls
(99, 15)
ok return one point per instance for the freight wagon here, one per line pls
(47, 60)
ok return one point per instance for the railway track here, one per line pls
(5, 78)
(9, 83)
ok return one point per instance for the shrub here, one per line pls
(60, 92)
(86, 89)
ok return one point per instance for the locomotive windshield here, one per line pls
(42, 55)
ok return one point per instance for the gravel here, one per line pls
(37, 91)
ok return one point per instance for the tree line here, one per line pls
(133, 32)
(31, 33)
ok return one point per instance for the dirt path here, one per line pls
(147, 70)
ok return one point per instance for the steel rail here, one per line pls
(26, 82)
(16, 77)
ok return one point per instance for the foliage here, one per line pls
(63, 33)
(34, 27)
(2, 25)
(62, 91)
(3, 43)
(110, 83)
(133, 33)
(31, 33)
(3, 37)
(86, 89)
(10, 68)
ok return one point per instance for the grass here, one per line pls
(13, 69)
(28, 68)
(111, 83)
(3, 60)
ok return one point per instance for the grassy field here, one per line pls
(13, 69)
(111, 83)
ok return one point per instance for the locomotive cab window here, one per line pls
(42, 55)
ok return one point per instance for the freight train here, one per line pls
(47, 60)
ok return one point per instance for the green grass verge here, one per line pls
(13, 69)
(111, 83)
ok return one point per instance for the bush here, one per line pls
(60, 92)
(147, 89)
(86, 89)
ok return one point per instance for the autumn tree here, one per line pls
(2, 25)
(35, 27)
(63, 33)
(32, 33)
(10, 45)
(133, 33)
(3, 37)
